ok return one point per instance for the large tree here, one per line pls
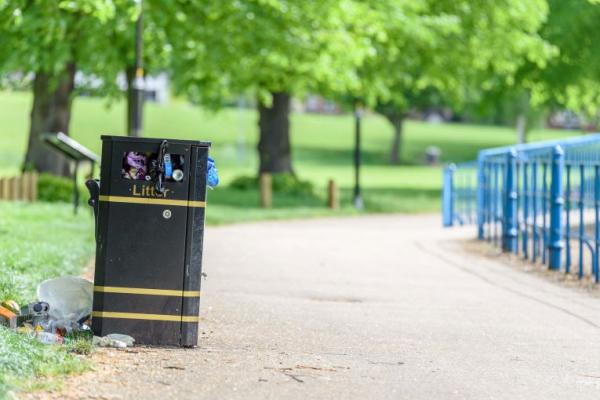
(442, 46)
(570, 79)
(51, 41)
(271, 50)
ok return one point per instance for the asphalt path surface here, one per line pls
(384, 307)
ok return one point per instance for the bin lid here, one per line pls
(154, 140)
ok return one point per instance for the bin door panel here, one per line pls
(144, 262)
(146, 244)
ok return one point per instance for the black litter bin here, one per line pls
(149, 230)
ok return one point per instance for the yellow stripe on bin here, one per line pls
(152, 201)
(147, 291)
(147, 317)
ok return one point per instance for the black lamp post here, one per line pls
(138, 81)
(358, 113)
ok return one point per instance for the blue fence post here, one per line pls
(557, 200)
(448, 196)
(509, 217)
(481, 214)
(595, 265)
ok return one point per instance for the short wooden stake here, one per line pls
(6, 189)
(266, 191)
(34, 185)
(14, 188)
(333, 200)
(26, 186)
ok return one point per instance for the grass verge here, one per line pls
(322, 147)
(37, 242)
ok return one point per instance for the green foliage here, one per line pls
(568, 79)
(45, 36)
(446, 46)
(281, 183)
(572, 78)
(226, 47)
(54, 188)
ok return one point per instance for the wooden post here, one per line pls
(14, 188)
(333, 200)
(2, 188)
(34, 185)
(6, 188)
(266, 190)
(26, 186)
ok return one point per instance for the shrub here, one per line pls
(284, 183)
(54, 188)
(244, 182)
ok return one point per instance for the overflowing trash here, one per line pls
(62, 312)
(170, 167)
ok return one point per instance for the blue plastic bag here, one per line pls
(212, 175)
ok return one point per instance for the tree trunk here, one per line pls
(50, 113)
(135, 101)
(523, 120)
(274, 144)
(130, 75)
(397, 120)
(521, 128)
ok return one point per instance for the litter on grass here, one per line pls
(115, 340)
(70, 299)
(61, 313)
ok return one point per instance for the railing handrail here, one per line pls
(524, 195)
(565, 142)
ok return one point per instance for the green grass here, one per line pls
(37, 242)
(322, 147)
(28, 365)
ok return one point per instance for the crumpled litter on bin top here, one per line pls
(70, 299)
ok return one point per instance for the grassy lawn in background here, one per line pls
(322, 147)
(37, 242)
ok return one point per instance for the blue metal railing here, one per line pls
(459, 194)
(540, 200)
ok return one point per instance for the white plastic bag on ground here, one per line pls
(128, 340)
(70, 299)
(105, 341)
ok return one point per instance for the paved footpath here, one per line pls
(385, 307)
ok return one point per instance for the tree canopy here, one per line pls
(443, 48)
(391, 55)
(261, 47)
